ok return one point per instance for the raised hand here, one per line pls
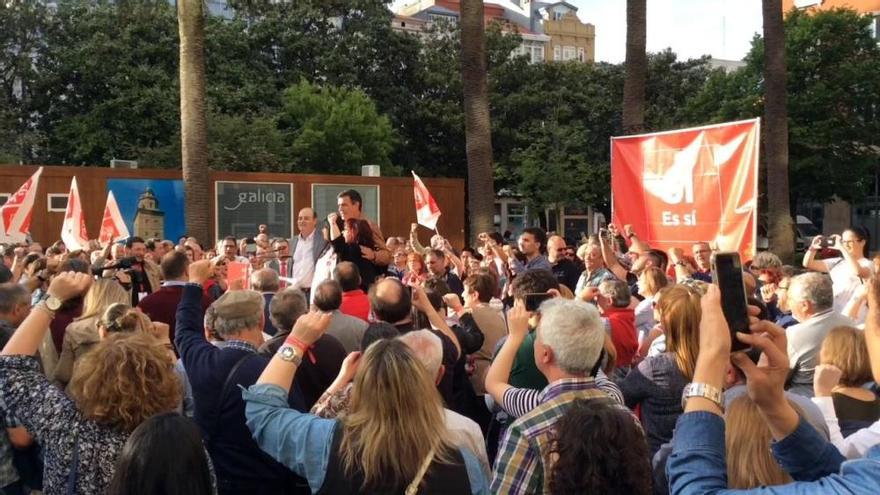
(68, 285)
(310, 326)
(826, 377)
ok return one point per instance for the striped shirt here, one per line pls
(525, 450)
(519, 401)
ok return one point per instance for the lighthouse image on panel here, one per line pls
(149, 221)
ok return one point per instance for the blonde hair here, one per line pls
(654, 279)
(395, 419)
(102, 293)
(120, 317)
(126, 379)
(680, 315)
(845, 348)
(750, 463)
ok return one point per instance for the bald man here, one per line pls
(306, 247)
(565, 271)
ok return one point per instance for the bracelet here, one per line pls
(306, 349)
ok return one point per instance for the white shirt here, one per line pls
(303, 262)
(465, 433)
(644, 317)
(854, 446)
(844, 283)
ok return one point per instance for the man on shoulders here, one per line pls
(702, 257)
(350, 205)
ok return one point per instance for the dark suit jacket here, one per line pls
(312, 378)
(236, 456)
(268, 327)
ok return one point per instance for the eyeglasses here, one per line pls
(782, 287)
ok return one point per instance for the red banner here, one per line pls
(680, 187)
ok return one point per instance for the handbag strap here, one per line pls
(413, 487)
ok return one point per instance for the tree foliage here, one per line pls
(833, 101)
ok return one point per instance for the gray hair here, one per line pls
(426, 347)
(574, 331)
(11, 295)
(265, 280)
(814, 287)
(226, 327)
(286, 307)
(617, 290)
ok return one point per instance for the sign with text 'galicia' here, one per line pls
(679, 187)
(243, 206)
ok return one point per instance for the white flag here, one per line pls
(427, 211)
(15, 215)
(73, 230)
(112, 225)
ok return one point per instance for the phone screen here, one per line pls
(250, 249)
(534, 300)
(728, 275)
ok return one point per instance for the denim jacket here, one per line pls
(697, 464)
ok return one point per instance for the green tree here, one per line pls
(833, 95)
(335, 130)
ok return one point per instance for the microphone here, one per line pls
(121, 263)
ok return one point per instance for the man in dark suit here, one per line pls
(305, 248)
(162, 304)
(265, 281)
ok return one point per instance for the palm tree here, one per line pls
(636, 67)
(780, 229)
(193, 124)
(478, 131)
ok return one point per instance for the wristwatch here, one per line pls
(52, 303)
(291, 354)
(703, 390)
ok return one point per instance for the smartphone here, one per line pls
(534, 300)
(250, 249)
(826, 242)
(728, 275)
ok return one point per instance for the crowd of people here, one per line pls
(521, 367)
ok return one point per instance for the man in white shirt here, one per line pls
(230, 251)
(307, 247)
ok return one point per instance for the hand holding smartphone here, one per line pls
(728, 275)
(534, 300)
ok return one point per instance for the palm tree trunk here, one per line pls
(781, 232)
(636, 67)
(193, 125)
(478, 130)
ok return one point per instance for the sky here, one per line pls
(692, 28)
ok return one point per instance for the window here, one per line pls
(875, 28)
(568, 53)
(557, 53)
(533, 50)
(581, 55)
(57, 202)
(557, 15)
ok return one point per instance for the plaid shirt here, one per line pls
(525, 451)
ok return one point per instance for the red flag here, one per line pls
(679, 187)
(16, 213)
(73, 230)
(112, 226)
(427, 211)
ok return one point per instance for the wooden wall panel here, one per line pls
(396, 196)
